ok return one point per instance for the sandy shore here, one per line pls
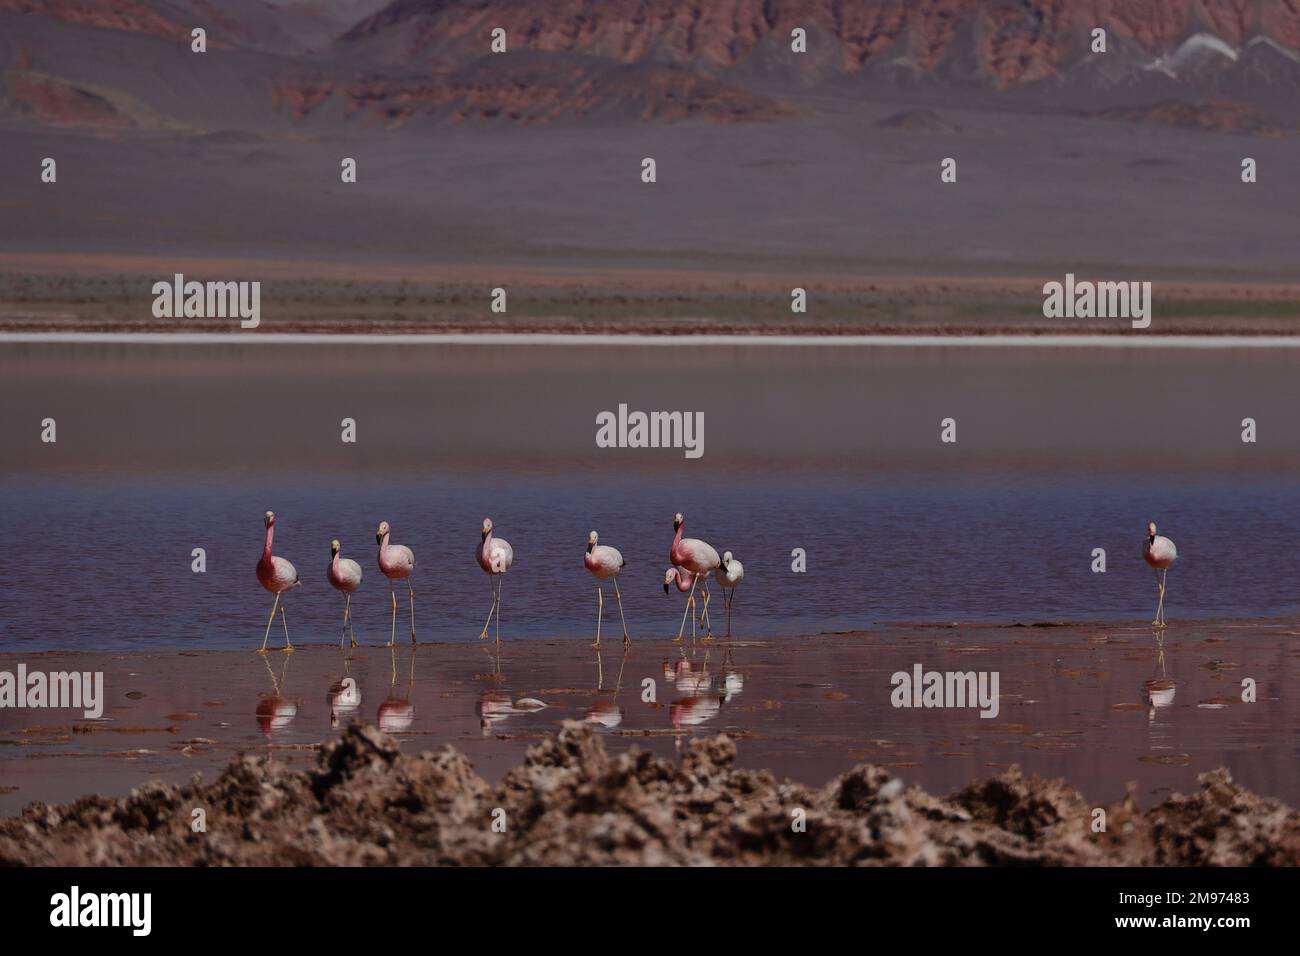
(1125, 722)
(47, 292)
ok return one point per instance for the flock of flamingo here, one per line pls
(693, 562)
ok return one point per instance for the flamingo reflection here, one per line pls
(397, 713)
(275, 711)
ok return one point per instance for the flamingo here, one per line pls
(276, 575)
(396, 561)
(605, 562)
(685, 583)
(700, 559)
(729, 577)
(1160, 553)
(345, 575)
(495, 557)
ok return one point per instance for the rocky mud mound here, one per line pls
(572, 803)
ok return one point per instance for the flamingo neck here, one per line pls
(383, 545)
(487, 545)
(677, 538)
(266, 549)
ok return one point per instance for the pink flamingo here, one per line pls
(698, 558)
(1160, 553)
(345, 575)
(684, 581)
(605, 562)
(396, 561)
(276, 575)
(495, 557)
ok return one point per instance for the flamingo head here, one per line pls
(668, 578)
(678, 521)
(726, 560)
(1151, 532)
(334, 547)
(591, 542)
(487, 527)
(382, 532)
(269, 519)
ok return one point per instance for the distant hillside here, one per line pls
(114, 63)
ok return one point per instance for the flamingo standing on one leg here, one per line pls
(1160, 553)
(276, 575)
(396, 561)
(605, 562)
(698, 558)
(685, 583)
(495, 557)
(345, 575)
(729, 577)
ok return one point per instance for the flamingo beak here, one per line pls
(379, 537)
(589, 547)
(665, 587)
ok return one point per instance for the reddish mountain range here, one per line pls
(127, 63)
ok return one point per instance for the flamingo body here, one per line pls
(396, 561)
(344, 574)
(692, 553)
(603, 561)
(731, 573)
(1159, 551)
(276, 574)
(273, 572)
(494, 555)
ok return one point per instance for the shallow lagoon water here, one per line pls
(835, 451)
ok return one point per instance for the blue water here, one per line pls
(107, 564)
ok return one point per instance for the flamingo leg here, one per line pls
(500, 582)
(1164, 576)
(1160, 587)
(486, 624)
(704, 618)
(288, 648)
(600, 611)
(343, 633)
(351, 627)
(690, 603)
(269, 622)
(392, 637)
(411, 591)
(626, 638)
(728, 597)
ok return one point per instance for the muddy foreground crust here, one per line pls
(571, 803)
